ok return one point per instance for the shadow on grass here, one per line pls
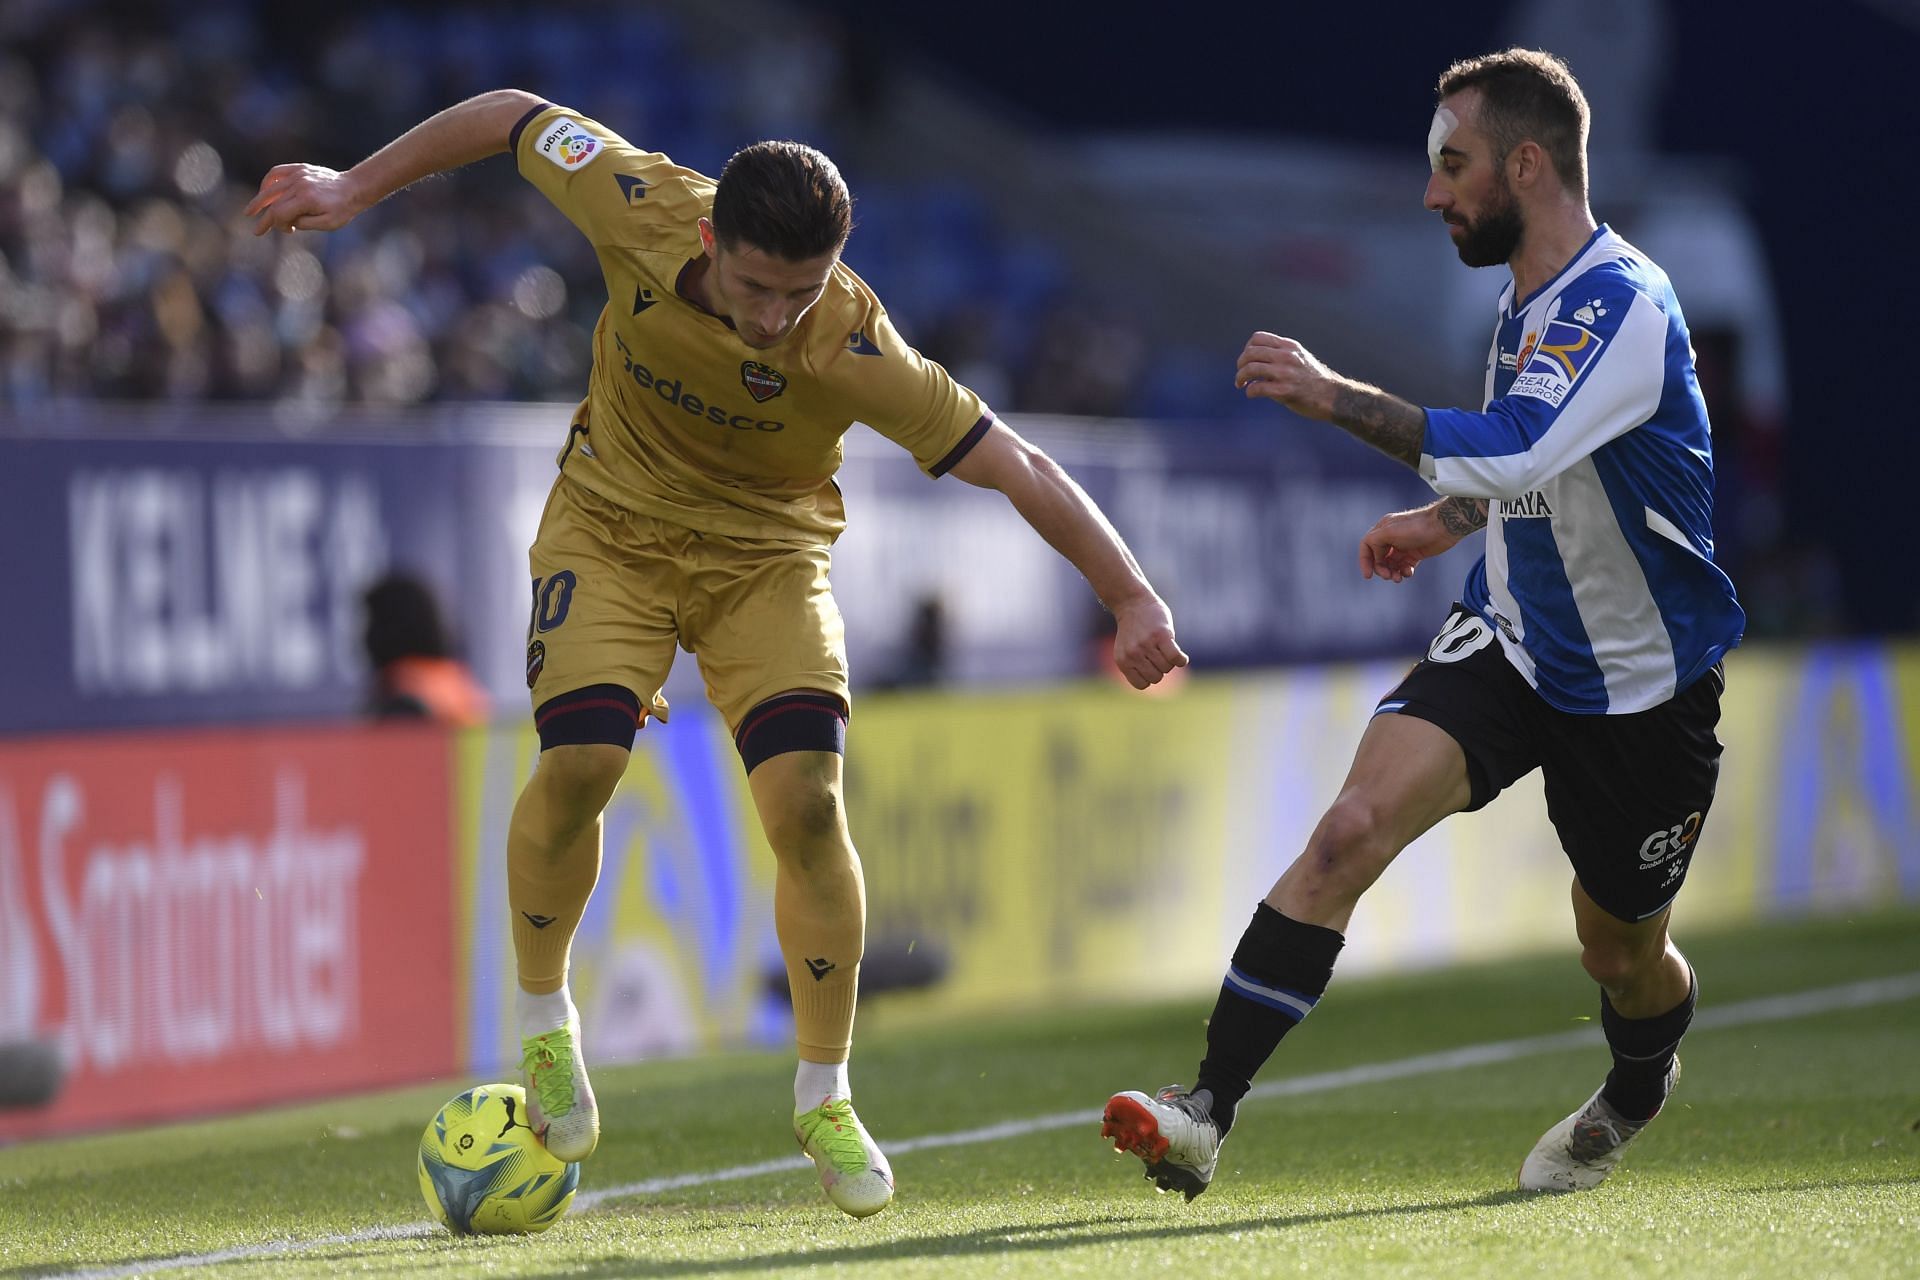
(1011, 1238)
(1825, 1184)
(1018, 1238)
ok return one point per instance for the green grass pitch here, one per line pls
(1792, 1149)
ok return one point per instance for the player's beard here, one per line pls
(1491, 238)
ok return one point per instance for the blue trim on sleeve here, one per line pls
(961, 450)
(513, 136)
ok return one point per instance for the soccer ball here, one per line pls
(484, 1172)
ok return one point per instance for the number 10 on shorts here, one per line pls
(552, 597)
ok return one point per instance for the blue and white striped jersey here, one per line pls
(1593, 453)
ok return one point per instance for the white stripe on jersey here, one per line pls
(1669, 530)
(1624, 628)
(1503, 601)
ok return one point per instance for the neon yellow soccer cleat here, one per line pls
(855, 1174)
(559, 1099)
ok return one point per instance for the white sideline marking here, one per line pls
(1852, 995)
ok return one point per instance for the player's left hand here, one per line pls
(1143, 645)
(1400, 540)
(1277, 368)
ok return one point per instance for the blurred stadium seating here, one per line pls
(131, 135)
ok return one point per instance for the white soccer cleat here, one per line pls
(1173, 1132)
(1578, 1153)
(560, 1102)
(853, 1172)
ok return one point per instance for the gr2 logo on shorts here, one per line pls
(1670, 843)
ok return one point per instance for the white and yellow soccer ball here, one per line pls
(484, 1172)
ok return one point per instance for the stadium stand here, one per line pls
(131, 134)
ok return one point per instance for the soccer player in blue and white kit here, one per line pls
(1588, 645)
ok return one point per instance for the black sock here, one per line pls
(1643, 1050)
(1279, 972)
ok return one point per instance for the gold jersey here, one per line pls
(682, 420)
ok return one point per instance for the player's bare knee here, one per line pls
(1619, 964)
(806, 827)
(1350, 846)
(577, 781)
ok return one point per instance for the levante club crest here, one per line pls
(762, 381)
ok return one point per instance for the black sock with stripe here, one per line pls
(1643, 1050)
(1279, 972)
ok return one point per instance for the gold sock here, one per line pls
(547, 889)
(822, 922)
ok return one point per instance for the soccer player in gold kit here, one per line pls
(696, 507)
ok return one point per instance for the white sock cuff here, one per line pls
(539, 1014)
(818, 1082)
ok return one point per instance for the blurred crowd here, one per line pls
(133, 134)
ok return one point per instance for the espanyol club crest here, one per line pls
(762, 381)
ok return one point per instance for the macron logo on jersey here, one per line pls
(1556, 363)
(568, 144)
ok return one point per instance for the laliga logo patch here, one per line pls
(568, 144)
(1563, 354)
(762, 381)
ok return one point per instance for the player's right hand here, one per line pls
(303, 197)
(1275, 368)
(1144, 648)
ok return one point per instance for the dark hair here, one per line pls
(1528, 95)
(782, 198)
(403, 620)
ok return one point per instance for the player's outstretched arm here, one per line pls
(1397, 543)
(1275, 368)
(1144, 647)
(306, 197)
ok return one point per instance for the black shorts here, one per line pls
(1627, 794)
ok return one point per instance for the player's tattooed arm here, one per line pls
(1273, 367)
(1461, 516)
(1386, 422)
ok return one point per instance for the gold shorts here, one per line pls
(614, 592)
